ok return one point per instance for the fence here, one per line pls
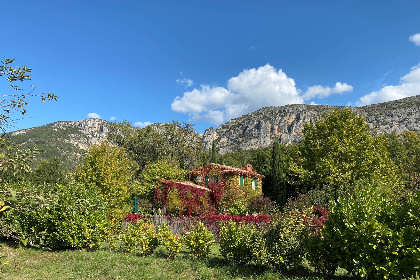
(182, 225)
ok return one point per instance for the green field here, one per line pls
(28, 263)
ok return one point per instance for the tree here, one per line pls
(213, 158)
(278, 175)
(173, 142)
(108, 169)
(11, 157)
(338, 153)
(49, 171)
(155, 172)
(404, 151)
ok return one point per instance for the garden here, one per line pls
(341, 204)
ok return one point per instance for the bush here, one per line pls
(261, 204)
(284, 240)
(139, 237)
(54, 216)
(199, 241)
(172, 242)
(236, 242)
(370, 236)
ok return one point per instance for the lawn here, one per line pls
(28, 263)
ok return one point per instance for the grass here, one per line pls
(29, 263)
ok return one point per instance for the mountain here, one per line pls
(285, 124)
(69, 140)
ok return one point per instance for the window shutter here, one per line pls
(207, 181)
(241, 180)
(256, 183)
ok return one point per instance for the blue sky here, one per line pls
(206, 62)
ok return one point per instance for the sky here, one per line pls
(207, 62)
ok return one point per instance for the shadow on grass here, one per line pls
(250, 270)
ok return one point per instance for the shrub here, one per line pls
(54, 216)
(172, 242)
(139, 237)
(370, 236)
(236, 241)
(199, 241)
(261, 204)
(284, 240)
(238, 209)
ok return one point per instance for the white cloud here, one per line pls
(113, 118)
(185, 82)
(251, 90)
(415, 38)
(200, 100)
(409, 86)
(142, 124)
(322, 91)
(93, 116)
(252, 47)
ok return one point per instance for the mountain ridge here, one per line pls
(258, 129)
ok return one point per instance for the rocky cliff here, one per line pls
(69, 140)
(285, 124)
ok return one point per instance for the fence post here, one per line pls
(136, 205)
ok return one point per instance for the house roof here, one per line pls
(224, 169)
(187, 183)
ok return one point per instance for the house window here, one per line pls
(207, 181)
(255, 184)
(241, 180)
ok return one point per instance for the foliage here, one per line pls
(11, 157)
(261, 204)
(139, 237)
(284, 239)
(155, 172)
(370, 236)
(50, 172)
(16, 101)
(199, 241)
(339, 154)
(405, 153)
(54, 216)
(236, 199)
(236, 241)
(238, 208)
(107, 169)
(211, 222)
(3, 207)
(176, 143)
(278, 175)
(172, 242)
(184, 198)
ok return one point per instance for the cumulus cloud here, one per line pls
(185, 82)
(142, 124)
(415, 38)
(318, 91)
(200, 100)
(93, 116)
(113, 118)
(251, 90)
(409, 86)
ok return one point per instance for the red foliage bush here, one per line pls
(191, 200)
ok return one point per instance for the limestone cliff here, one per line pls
(285, 124)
